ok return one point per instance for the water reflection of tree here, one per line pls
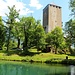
(72, 70)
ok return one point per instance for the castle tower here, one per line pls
(51, 17)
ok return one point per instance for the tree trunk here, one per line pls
(56, 50)
(18, 45)
(25, 48)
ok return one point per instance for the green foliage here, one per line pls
(56, 39)
(13, 14)
(17, 32)
(40, 37)
(33, 32)
(72, 7)
(28, 24)
(2, 33)
(13, 44)
(70, 33)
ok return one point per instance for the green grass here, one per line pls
(34, 55)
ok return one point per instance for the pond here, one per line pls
(23, 68)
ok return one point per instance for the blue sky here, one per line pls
(34, 7)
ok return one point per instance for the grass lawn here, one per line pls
(34, 56)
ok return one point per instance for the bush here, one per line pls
(68, 62)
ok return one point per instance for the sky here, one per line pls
(34, 8)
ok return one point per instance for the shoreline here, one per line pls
(48, 58)
(62, 62)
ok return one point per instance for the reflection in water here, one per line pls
(34, 69)
(72, 70)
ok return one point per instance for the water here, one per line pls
(22, 68)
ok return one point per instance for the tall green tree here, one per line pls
(40, 36)
(34, 34)
(70, 33)
(55, 38)
(11, 17)
(2, 33)
(28, 24)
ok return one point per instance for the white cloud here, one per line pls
(19, 5)
(35, 3)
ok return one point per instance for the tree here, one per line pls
(55, 38)
(40, 37)
(70, 33)
(34, 34)
(2, 33)
(72, 7)
(28, 24)
(13, 14)
(17, 32)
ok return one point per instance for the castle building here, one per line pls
(51, 17)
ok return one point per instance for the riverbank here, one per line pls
(38, 57)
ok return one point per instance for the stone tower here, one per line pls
(51, 17)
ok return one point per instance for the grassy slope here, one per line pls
(35, 56)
